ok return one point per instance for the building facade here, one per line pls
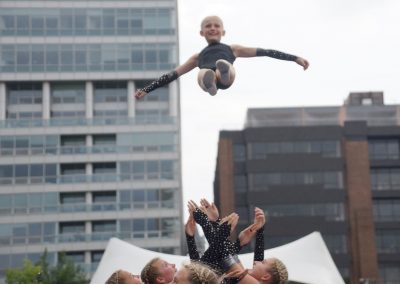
(80, 160)
(330, 169)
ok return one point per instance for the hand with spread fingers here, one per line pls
(259, 218)
(232, 220)
(210, 209)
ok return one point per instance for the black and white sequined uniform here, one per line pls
(213, 52)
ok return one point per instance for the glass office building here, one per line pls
(80, 160)
(332, 169)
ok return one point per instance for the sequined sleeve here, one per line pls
(162, 81)
(192, 248)
(208, 227)
(275, 54)
(259, 247)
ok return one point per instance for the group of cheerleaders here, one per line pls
(219, 263)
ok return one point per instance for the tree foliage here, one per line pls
(65, 272)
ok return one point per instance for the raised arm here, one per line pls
(259, 222)
(190, 229)
(165, 79)
(242, 51)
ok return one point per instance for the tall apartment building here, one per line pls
(80, 160)
(330, 169)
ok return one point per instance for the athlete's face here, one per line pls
(166, 270)
(260, 269)
(212, 29)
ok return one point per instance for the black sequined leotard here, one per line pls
(213, 52)
(220, 246)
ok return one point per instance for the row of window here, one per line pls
(330, 211)
(388, 241)
(76, 173)
(386, 210)
(378, 149)
(389, 273)
(260, 181)
(76, 144)
(87, 21)
(73, 93)
(86, 57)
(142, 117)
(53, 203)
(261, 150)
(384, 149)
(50, 232)
(385, 179)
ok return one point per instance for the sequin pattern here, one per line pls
(275, 54)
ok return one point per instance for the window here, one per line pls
(240, 183)
(386, 210)
(388, 149)
(24, 93)
(73, 140)
(330, 211)
(104, 139)
(104, 168)
(73, 169)
(389, 273)
(328, 180)
(67, 93)
(104, 197)
(385, 179)
(72, 197)
(388, 241)
(96, 256)
(107, 92)
(239, 152)
(72, 227)
(260, 150)
(76, 257)
(104, 226)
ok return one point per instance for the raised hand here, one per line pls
(231, 221)
(259, 218)
(210, 209)
(247, 234)
(190, 226)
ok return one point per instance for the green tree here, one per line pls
(65, 272)
(25, 275)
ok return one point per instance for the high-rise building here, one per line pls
(80, 160)
(330, 169)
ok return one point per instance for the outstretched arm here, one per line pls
(165, 79)
(190, 229)
(241, 51)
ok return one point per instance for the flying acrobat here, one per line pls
(216, 61)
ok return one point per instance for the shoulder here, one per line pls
(236, 47)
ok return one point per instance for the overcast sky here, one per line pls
(352, 45)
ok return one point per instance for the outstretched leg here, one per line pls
(207, 81)
(225, 72)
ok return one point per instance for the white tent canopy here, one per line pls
(307, 260)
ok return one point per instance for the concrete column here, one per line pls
(173, 99)
(89, 198)
(89, 99)
(131, 99)
(89, 140)
(46, 100)
(2, 101)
